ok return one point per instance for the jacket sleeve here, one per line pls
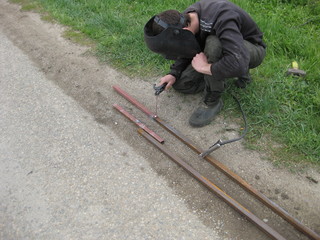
(178, 66)
(236, 58)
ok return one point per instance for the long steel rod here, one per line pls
(138, 122)
(211, 186)
(224, 169)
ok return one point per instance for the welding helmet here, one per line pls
(173, 42)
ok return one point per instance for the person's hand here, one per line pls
(200, 64)
(169, 79)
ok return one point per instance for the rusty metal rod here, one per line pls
(138, 122)
(211, 186)
(224, 169)
(133, 101)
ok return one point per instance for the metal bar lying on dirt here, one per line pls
(229, 200)
(224, 169)
(138, 122)
(133, 101)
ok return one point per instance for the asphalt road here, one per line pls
(64, 176)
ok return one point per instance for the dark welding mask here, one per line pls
(173, 42)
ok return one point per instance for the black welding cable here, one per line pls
(244, 120)
(220, 143)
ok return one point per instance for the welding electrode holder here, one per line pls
(211, 148)
(159, 89)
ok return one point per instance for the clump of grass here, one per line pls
(78, 37)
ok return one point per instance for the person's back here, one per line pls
(214, 12)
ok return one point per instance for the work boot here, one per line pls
(206, 111)
(243, 81)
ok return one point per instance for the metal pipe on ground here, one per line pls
(138, 122)
(211, 186)
(224, 169)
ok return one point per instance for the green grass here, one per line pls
(281, 109)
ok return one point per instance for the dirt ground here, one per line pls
(75, 70)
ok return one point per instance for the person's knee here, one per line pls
(213, 48)
(189, 87)
(189, 82)
(257, 54)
